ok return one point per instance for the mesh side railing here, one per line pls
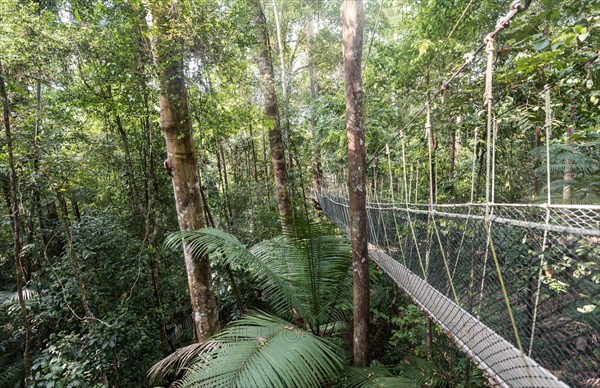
(508, 283)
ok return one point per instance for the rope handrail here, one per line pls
(544, 205)
(492, 218)
(465, 311)
(514, 8)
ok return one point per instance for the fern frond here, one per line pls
(306, 278)
(12, 375)
(179, 360)
(261, 350)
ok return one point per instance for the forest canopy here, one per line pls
(125, 121)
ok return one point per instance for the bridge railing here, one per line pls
(509, 283)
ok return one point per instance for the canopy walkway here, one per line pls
(514, 305)
(514, 286)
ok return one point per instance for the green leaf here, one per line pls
(261, 350)
(540, 45)
(300, 277)
(375, 377)
(582, 37)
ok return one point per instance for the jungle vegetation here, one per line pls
(158, 159)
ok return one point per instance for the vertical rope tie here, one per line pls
(432, 194)
(389, 160)
(391, 176)
(548, 125)
(408, 217)
(475, 140)
(429, 136)
(494, 138)
(470, 208)
(489, 73)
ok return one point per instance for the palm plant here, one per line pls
(12, 366)
(306, 279)
(306, 283)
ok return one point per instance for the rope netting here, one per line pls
(515, 286)
(507, 288)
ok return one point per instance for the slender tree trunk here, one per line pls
(48, 219)
(265, 64)
(181, 160)
(236, 291)
(74, 257)
(224, 161)
(353, 30)
(428, 337)
(568, 174)
(129, 170)
(75, 206)
(452, 151)
(225, 181)
(284, 89)
(266, 165)
(317, 174)
(13, 210)
(253, 149)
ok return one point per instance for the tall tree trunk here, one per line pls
(266, 166)
(281, 51)
(13, 210)
(284, 89)
(353, 29)
(317, 174)
(181, 162)
(265, 64)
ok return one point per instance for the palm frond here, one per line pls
(12, 375)
(7, 297)
(261, 350)
(260, 260)
(177, 361)
(299, 277)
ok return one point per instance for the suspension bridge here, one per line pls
(508, 288)
(514, 285)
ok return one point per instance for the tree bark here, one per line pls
(265, 64)
(16, 231)
(285, 86)
(353, 30)
(317, 174)
(175, 123)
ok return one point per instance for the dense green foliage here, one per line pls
(96, 203)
